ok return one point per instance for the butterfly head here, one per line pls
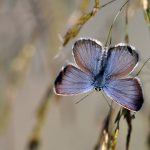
(97, 89)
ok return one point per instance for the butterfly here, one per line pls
(105, 69)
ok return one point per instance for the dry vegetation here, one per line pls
(35, 41)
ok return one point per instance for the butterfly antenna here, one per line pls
(107, 3)
(84, 97)
(110, 29)
(143, 66)
(106, 99)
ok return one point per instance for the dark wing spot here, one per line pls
(133, 52)
(130, 50)
(61, 74)
(140, 98)
(59, 78)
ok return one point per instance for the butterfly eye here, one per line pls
(98, 89)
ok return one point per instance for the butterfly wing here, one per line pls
(126, 92)
(88, 55)
(71, 81)
(121, 60)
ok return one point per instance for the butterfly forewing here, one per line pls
(88, 55)
(121, 60)
(71, 80)
(127, 92)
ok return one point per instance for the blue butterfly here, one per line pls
(103, 69)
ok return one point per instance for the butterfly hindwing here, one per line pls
(71, 81)
(126, 92)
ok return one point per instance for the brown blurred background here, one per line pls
(31, 56)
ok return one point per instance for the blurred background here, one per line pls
(31, 56)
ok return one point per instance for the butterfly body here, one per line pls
(104, 69)
(99, 81)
